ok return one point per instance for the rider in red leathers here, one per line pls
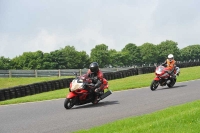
(96, 75)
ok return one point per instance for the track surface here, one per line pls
(52, 117)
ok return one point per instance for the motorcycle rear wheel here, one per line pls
(69, 103)
(154, 85)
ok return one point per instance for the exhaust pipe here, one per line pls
(105, 94)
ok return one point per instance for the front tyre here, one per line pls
(69, 103)
(173, 81)
(154, 85)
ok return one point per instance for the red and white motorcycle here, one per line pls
(163, 78)
(81, 92)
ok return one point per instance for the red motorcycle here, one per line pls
(81, 92)
(163, 78)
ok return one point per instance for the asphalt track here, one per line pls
(52, 117)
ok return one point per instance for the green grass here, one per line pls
(178, 119)
(10, 82)
(131, 82)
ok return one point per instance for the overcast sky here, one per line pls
(48, 25)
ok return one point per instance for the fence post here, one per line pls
(59, 74)
(80, 72)
(36, 74)
(10, 74)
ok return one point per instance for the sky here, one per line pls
(49, 25)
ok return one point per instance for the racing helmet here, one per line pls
(94, 67)
(170, 57)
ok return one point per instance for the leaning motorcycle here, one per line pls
(163, 78)
(81, 92)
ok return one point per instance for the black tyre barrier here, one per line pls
(44, 89)
(127, 73)
(27, 90)
(117, 75)
(140, 71)
(23, 91)
(64, 83)
(52, 85)
(112, 76)
(134, 71)
(2, 97)
(49, 86)
(37, 88)
(121, 75)
(57, 85)
(108, 76)
(105, 75)
(32, 89)
(7, 94)
(61, 84)
(69, 80)
(40, 85)
(12, 93)
(17, 91)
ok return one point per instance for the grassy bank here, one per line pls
(132, 82)
(10, 82)
(178, 119)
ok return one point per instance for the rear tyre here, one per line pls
(154, 85)
(69, 103)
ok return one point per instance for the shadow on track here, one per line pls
(172, 87)
(101, 103)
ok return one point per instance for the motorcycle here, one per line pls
(163, 78)
(81, 92)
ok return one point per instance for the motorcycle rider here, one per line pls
(170, 63)
(97, 77)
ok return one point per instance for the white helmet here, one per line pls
(170, 57)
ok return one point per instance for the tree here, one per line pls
(132, 53)
(48, 61)
(84, 60)
(28, 60)
(100, 54)
(167, 47)
(117, 59)
(148, 53)
(75, 59)
(58, 59)
(5, 63)
(190, 52)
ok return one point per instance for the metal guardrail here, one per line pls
(69, 72)
(50, 73)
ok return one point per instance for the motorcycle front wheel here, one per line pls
(154, 85)
(172, 83)
(69, 103)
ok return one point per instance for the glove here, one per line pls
(98, 84)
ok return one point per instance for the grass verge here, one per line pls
(177, 119)
(10, 82)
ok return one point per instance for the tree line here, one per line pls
(69, 58)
